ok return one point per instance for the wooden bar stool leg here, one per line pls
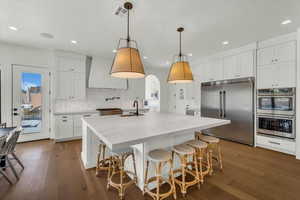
(220, 157)
(146, 177)
(109, 172)
(197, 170)
(183, 169)
(200, 166)
(172, 179)
(211, 161)
(158, 174)
(121, 166)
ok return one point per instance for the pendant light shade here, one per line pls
(180, 71)
(127, 62)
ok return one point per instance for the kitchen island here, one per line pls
(142, 133)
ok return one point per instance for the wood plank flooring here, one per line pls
(54, 172)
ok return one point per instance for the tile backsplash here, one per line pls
(98, 98)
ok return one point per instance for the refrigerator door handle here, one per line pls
(224, 104)
(220, 105)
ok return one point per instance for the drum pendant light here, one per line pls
(180, 71)
(127, 62)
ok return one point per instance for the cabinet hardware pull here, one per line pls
(64, 120)
(86, 115)
(277, 143)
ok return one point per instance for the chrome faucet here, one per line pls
(136, 105)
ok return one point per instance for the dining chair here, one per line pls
(2, 142)
(3, 125)
(9, 152)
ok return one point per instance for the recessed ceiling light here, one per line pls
(225, 42)
(114, 51)
(47, 35)
(13, 28)
(288, 21)
(73, 41)
(190, 54)
(145, 57)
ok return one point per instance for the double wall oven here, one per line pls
(276, 112)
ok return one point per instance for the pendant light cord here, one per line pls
(180, 54)
(128, 37)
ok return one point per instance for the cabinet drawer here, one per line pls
(282, 145)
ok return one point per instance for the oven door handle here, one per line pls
(220, 105)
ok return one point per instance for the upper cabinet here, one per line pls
(285, 52)
(99, 76)
(277, 66)
(239, 66)
(70, 78)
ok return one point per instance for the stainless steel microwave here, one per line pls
(283, 126)
(279, 101)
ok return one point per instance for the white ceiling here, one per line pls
(92, 23)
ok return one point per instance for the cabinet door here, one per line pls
(229, 67)
(77, 125)
(216, 70)
(265, 56)
(266, 77)
(285, 52)
(63, 127)
(64, 85)
(245, 65)
(285, 75)
(71, 64)
(78, 85)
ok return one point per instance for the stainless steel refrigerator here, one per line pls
(231, 100)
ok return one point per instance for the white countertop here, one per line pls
(119, 131)
(79, 112)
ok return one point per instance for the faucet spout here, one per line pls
(136, 105)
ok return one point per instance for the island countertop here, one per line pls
(118, 132)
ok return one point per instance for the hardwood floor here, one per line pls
(54, 172)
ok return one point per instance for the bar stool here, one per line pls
(184, 152)
(116, 166)
(160, 158)
(201, 149)
(214, 147)
(102, 163)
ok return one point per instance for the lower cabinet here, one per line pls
(68, 127)
(277, 144)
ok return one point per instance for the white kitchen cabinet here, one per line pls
(229, 67)
(239, 66)
(70, 85)
(63, 127)
(277, 144)
(245, 64)
(75, 64)
(277, 76)
(70, 126)
(211, 71)
(285, 52)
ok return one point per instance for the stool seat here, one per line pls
(159, 155)
(197, 144)
(120, 152)
(209, 139)
(183, 149)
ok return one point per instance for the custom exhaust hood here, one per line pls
(97, 74)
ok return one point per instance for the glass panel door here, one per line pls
(31, 102)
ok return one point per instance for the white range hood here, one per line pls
(98, 75)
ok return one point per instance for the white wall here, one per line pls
(298, 98)
(15, 54)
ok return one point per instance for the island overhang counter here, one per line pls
(142, 133)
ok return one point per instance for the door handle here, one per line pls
(224, 104)
(15, 114)
(220, 105)
(15, 109)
